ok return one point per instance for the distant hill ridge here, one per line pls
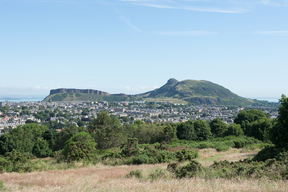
(92, 91)
(187, 91)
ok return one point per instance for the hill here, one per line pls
(197, 92)
(187, 91)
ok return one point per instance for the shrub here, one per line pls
(135, 173)
(234, 129)
(2, 187)
(80, 146)
(189, 170)
(184, 155)
(157, 174)
(140, 159)
(41, 148)
(130, 148)
(222, 148)
(218, 127)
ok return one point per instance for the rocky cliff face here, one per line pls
(54, 91)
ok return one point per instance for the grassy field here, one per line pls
(151, 178)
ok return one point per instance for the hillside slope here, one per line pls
(187, 91)
(197, 92)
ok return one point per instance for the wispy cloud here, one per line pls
(275, 2)
(223, 6)
(184, 33)
(129, 23)
(277, 33)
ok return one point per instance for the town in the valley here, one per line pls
(13, 114)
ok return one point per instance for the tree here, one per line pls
(107, 131)
(22, 138)
(218, 127)
(234, 129)
(170, 133)
(80, 146)
(279, 133)
(41, 148)
(65, 135)
(186, 131)
(202, 130)
(260, 129)
(244, 118)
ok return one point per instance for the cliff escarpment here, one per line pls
(91, 91)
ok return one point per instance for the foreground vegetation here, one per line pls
(179, 149)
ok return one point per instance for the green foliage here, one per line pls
(41, 148)
(146, 133)
(234, 129)
(140, 159)
(186, 131)
(220, 144)
(220, 148)
(60, 138)
(268, 152)
(260, 129)
(244, 118)
(15, 161)
(107, 131)
(218, 127)
(189, 170)
(79, 147)
(135, 173)
(170, 133)
(184, 155)
(202, 130)
(2, 187)
(130, 148)
(21, 138)
(279, 133)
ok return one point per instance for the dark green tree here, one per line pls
(65, 135)
(245, 118)
(279, 133)
(41, 148)
(21, 138)
(260, 129)
(186, 131)
(170, 133)
(234, 129)
(202, 130)
(80, 147)
(107, 131)
(218, 127)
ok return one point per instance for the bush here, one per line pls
(218, 127)
(140, 159)
(189, 170)
(16, 162)
(268, 152)
(234, 129)
(222, 148)
(135, 173)
(80, 147)
(157, 174)
(2, 187)
(130, 148)
(41, 149)
(184, 155)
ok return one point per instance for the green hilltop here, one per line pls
(197, 92)
(187, 91)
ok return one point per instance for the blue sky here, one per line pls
(134, 46)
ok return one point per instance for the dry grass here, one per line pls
(208, 156)
(113, 179)
(109, 178)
